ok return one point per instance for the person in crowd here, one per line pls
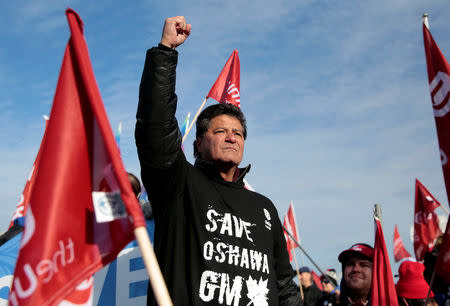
(356, 283)
(330, 287)
(137, 189)
(439, 286)
(311, 292)
(412, 289)
(216, 242)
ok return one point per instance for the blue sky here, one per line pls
(335, 92)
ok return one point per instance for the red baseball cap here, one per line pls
(411, 283)
(359, 250)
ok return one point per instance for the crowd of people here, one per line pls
(356, 283)
(216, 241)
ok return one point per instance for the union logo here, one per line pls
(233, 95)
(441, 96)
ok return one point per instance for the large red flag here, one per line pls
(426, 222)
(383, 286)
(227, 87)
(82, 209)
(21, 208)
(439, 80)
(399, 249)
(291, 225)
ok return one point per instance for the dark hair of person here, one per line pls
(135, 183)
(204, 120)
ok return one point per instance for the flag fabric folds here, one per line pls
(291, 225)
(82, 209)
(399, 249)
(227, 87)
(383, 286)
(426, 222)
(439, 80)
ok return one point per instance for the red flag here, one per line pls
(290, 224)
(399, 249)
(439, 80)
(21, 208)
(227, 87)
(82, 209)
(442, 266)
(316, 279)
(426, 222)
(383, 287)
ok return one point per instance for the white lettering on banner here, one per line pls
(128, 276)
(47, 267)
(5, 282)
(441, 96)
(220, 252)
(230, 224)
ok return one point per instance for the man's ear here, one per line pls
(198, 143)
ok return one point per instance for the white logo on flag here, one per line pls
(441, 98)
(233, 93)
(108, 206)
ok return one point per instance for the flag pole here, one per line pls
(296, 270)
(425, 20)
(307, 255)
(193, 120)
(154, 272)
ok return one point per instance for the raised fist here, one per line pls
(175, 31)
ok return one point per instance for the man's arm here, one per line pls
(157, 136)
(288, 291)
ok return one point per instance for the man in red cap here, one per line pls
(357, 274)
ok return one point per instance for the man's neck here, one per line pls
(359, 298)
(228, 174)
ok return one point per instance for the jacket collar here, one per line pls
(210, 170)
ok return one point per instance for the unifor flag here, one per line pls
(383, 286)
(226, 89)
(22, 206)
(82, 209)
(399, 249)
(290, 225)
(426, 221)
(439, 80)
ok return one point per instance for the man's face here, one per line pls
(223, 142)
(306, 278)
(358, 274)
